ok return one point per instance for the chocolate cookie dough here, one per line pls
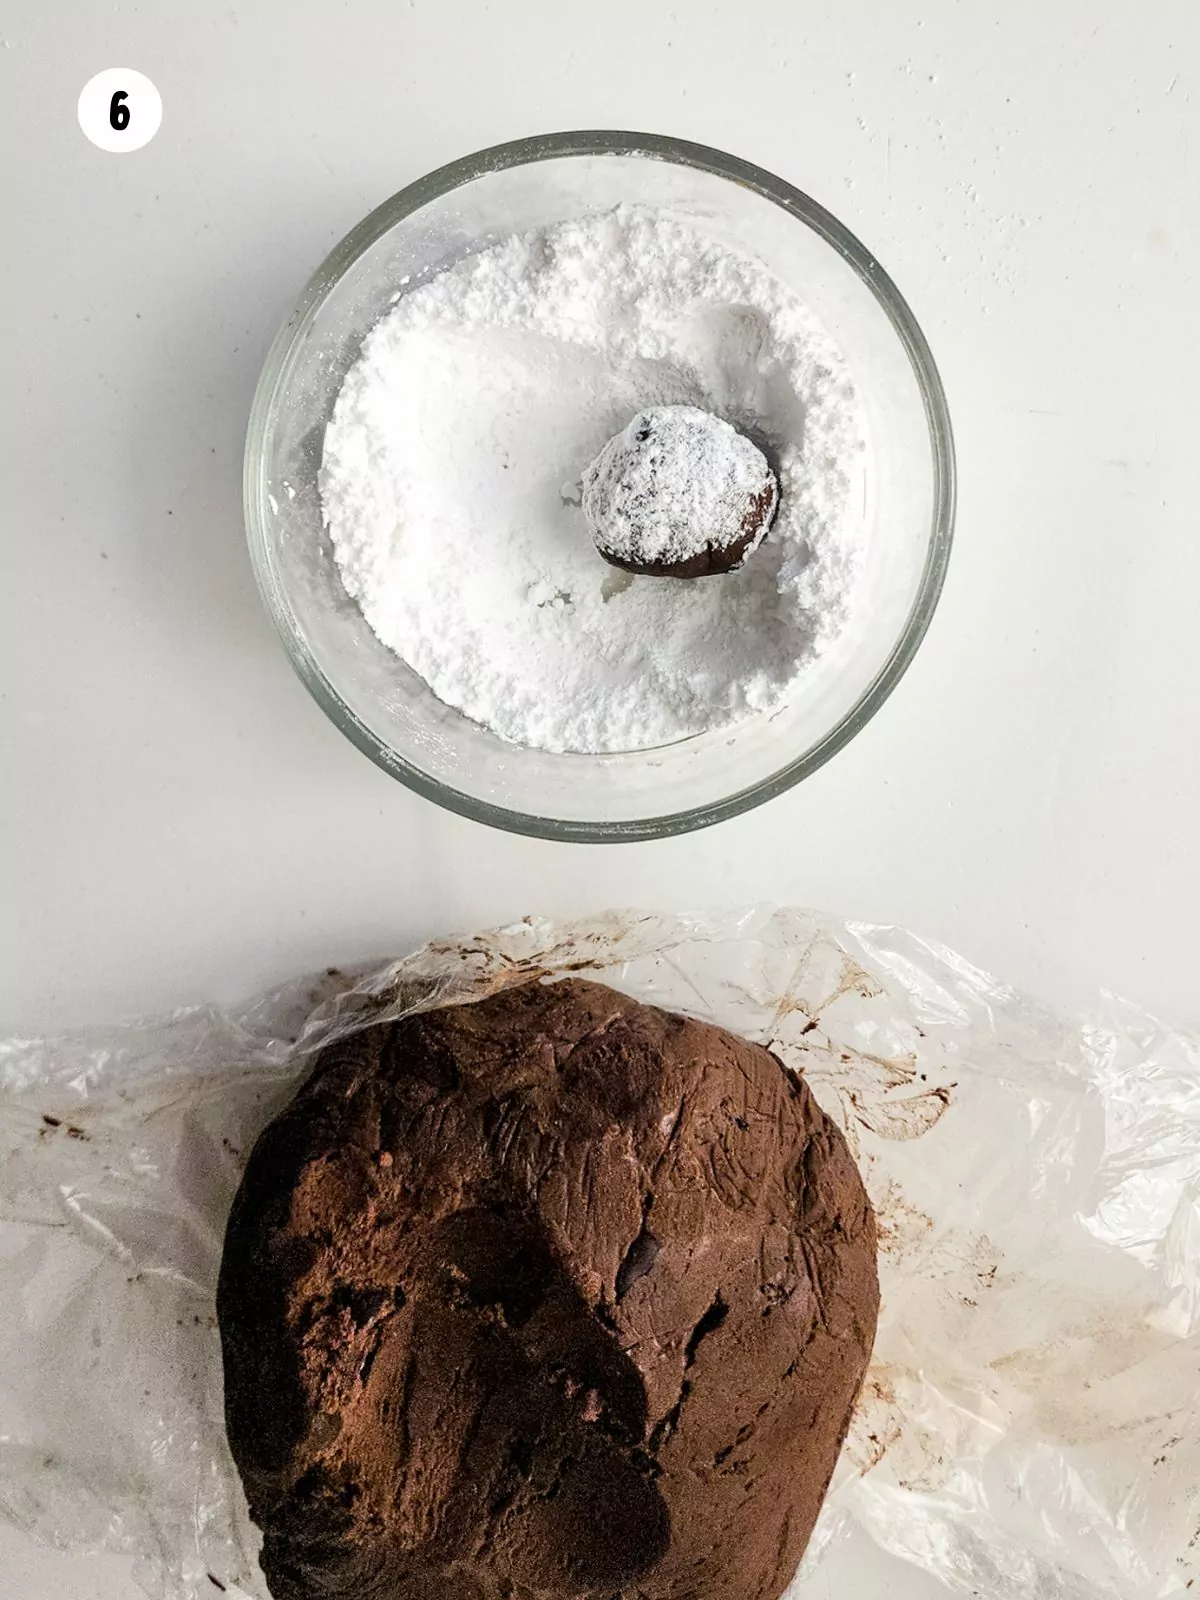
(679, 493)
(552, 1295)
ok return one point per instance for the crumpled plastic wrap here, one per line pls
(1030, 1425)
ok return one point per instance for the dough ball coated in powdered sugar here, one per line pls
(679, 493)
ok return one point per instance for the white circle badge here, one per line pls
(120, 110)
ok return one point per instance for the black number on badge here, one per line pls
(118, 111)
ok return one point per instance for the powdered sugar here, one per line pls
(450, 482)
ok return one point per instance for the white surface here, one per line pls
(180, 821)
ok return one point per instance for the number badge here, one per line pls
(120, 110)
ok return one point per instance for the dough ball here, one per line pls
(552, 1295)
(679, 493)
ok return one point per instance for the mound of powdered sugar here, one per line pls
(450, 482)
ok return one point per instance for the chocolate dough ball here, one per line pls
(552, 1295)
(679, 494)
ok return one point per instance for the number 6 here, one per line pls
(118, 111)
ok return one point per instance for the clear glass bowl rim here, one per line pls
(682, 152)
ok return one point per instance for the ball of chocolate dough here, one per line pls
(552, 1295)
(679, 493)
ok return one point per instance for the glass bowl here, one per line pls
(383, 706)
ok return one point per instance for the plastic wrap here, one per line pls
(1031, 1421)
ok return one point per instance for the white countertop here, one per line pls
(181, 822)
